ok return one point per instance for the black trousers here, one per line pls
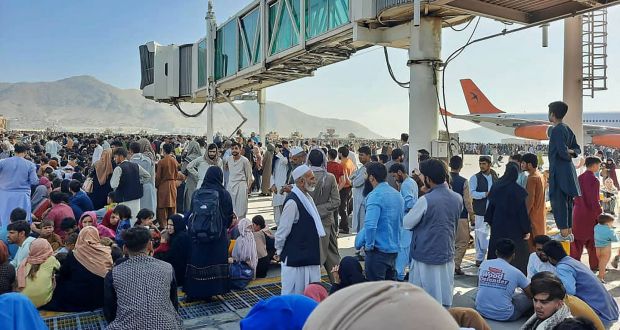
(343, 209)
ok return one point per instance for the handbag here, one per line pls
(88, 185)
(241, 274)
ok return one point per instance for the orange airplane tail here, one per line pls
(477, 102)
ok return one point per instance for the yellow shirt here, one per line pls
(579, 308)
(41, 288)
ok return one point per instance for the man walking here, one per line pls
(460, 185)
(535, 202)
(480, 185)
(239, 180)
(297, 240)
(127, 179)
(409, 191)
(382, 225)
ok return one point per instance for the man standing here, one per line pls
(345, 193)
(98, 149)
(434, 219)
(382, 225)
(166, 184)
(17, 175)
(563, 184)
(327, 200)
(586, 212)
(404, 139)
(239, 180)
(409, 191)
(480, 185)
(127, 179)
(278, 182)
(535, 202)
(357, 183)
(522, 179)
(460, 185)
(397, 158)
(297, 240)
(149, 196)
(52, 147)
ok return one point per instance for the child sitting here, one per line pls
(145, 219)
(47, 232)
(122, 216)
(603, 236)
(70, 241)
(609, 193)
(69, 226)
(265, 249)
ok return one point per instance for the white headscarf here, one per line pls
(245, 246)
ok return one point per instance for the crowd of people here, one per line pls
(131, 219)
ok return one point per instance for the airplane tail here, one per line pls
(477, 102)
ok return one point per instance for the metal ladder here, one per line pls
(594, 51)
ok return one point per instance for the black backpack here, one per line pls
(205, 222)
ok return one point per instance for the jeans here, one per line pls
(345, 200)
(380, 266)
(403, 258)
(522, 304)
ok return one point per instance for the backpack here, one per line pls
(205, 222)
(241, 274)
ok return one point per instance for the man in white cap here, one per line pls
(299, 233)
(239, 180)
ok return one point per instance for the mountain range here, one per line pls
(83, 103)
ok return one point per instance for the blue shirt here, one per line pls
(409, 191)
(122, 226)
(384, 218)
(604, 235)
(497, 281)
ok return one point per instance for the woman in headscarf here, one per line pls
(89, 218)
(101, 174)
(610, 166)
(212, 265)
(288, 312)
(197, 169)
(7, 272)
(149, 193)
(18, 312)
(267, 166)
(348, 273)
(245, 246)
(507, 216)
(41, 192)
(176, 249)
(147, 149)
(380, 305)
(316, 292)
(79, 283)
(35, 274)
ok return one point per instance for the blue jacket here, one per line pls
(384, 218)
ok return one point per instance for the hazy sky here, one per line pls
(48, 40)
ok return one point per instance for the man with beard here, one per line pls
(279, 172)
(239, 180)
(480, 185)
(357, 182)
(538, 261)
(198, 167)
(382, 225)
(409, 191)
(297, 240)
(297, 157)
(434, 219)
(327, 200)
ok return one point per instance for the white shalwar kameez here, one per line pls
(294, 279)
(240, 178)
(359, 211)
(279, 178)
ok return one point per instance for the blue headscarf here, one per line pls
(279, 313)
(18, 312)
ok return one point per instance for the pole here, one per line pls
(262, 115)
(424, 52)
(573, 73)
(211, 92)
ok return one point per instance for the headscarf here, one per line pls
(106, 221)
(93, 255)
(212, 162)
(40, 194)
(103, 166)
(316, 292)
(4, 253)
(146, 149)
(288, 312)
(214, 179)
(18, 312)
(40, 251)
(380, 305)
(193, 150)
(178, 221)
(53, 163)
(101, 229)
(245, 246)
(510, 177)
(45, 182)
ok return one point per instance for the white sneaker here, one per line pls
(558, 237)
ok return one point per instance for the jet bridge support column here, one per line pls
(573, 76)
(424, 54)
(262, 115)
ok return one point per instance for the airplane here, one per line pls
(600, 128)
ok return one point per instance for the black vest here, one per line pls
(480, 205)
(458, 186)
(129, 187)
(302, 246)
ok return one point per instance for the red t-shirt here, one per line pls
(336, 169)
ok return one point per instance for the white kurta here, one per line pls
(294, 279)
(239, 181)
(198, 167)
(278, 178)
(359, 210)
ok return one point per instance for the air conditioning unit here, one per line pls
(363, 10)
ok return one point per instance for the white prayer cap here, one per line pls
(296, 150)
(300, 171)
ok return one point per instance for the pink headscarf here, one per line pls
(316, 292)
(43, 181)
(40, 251)
(103, 230)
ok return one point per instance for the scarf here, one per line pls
(192, 151)
(245, 245)
(89, 252)
(146, 149)
(316, 292)
(310, 208)
(548, 324)
(101, 229)
(103, 167)
(40, 251)
(40, 194)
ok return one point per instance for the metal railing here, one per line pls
(594, 49)
(381, 5)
